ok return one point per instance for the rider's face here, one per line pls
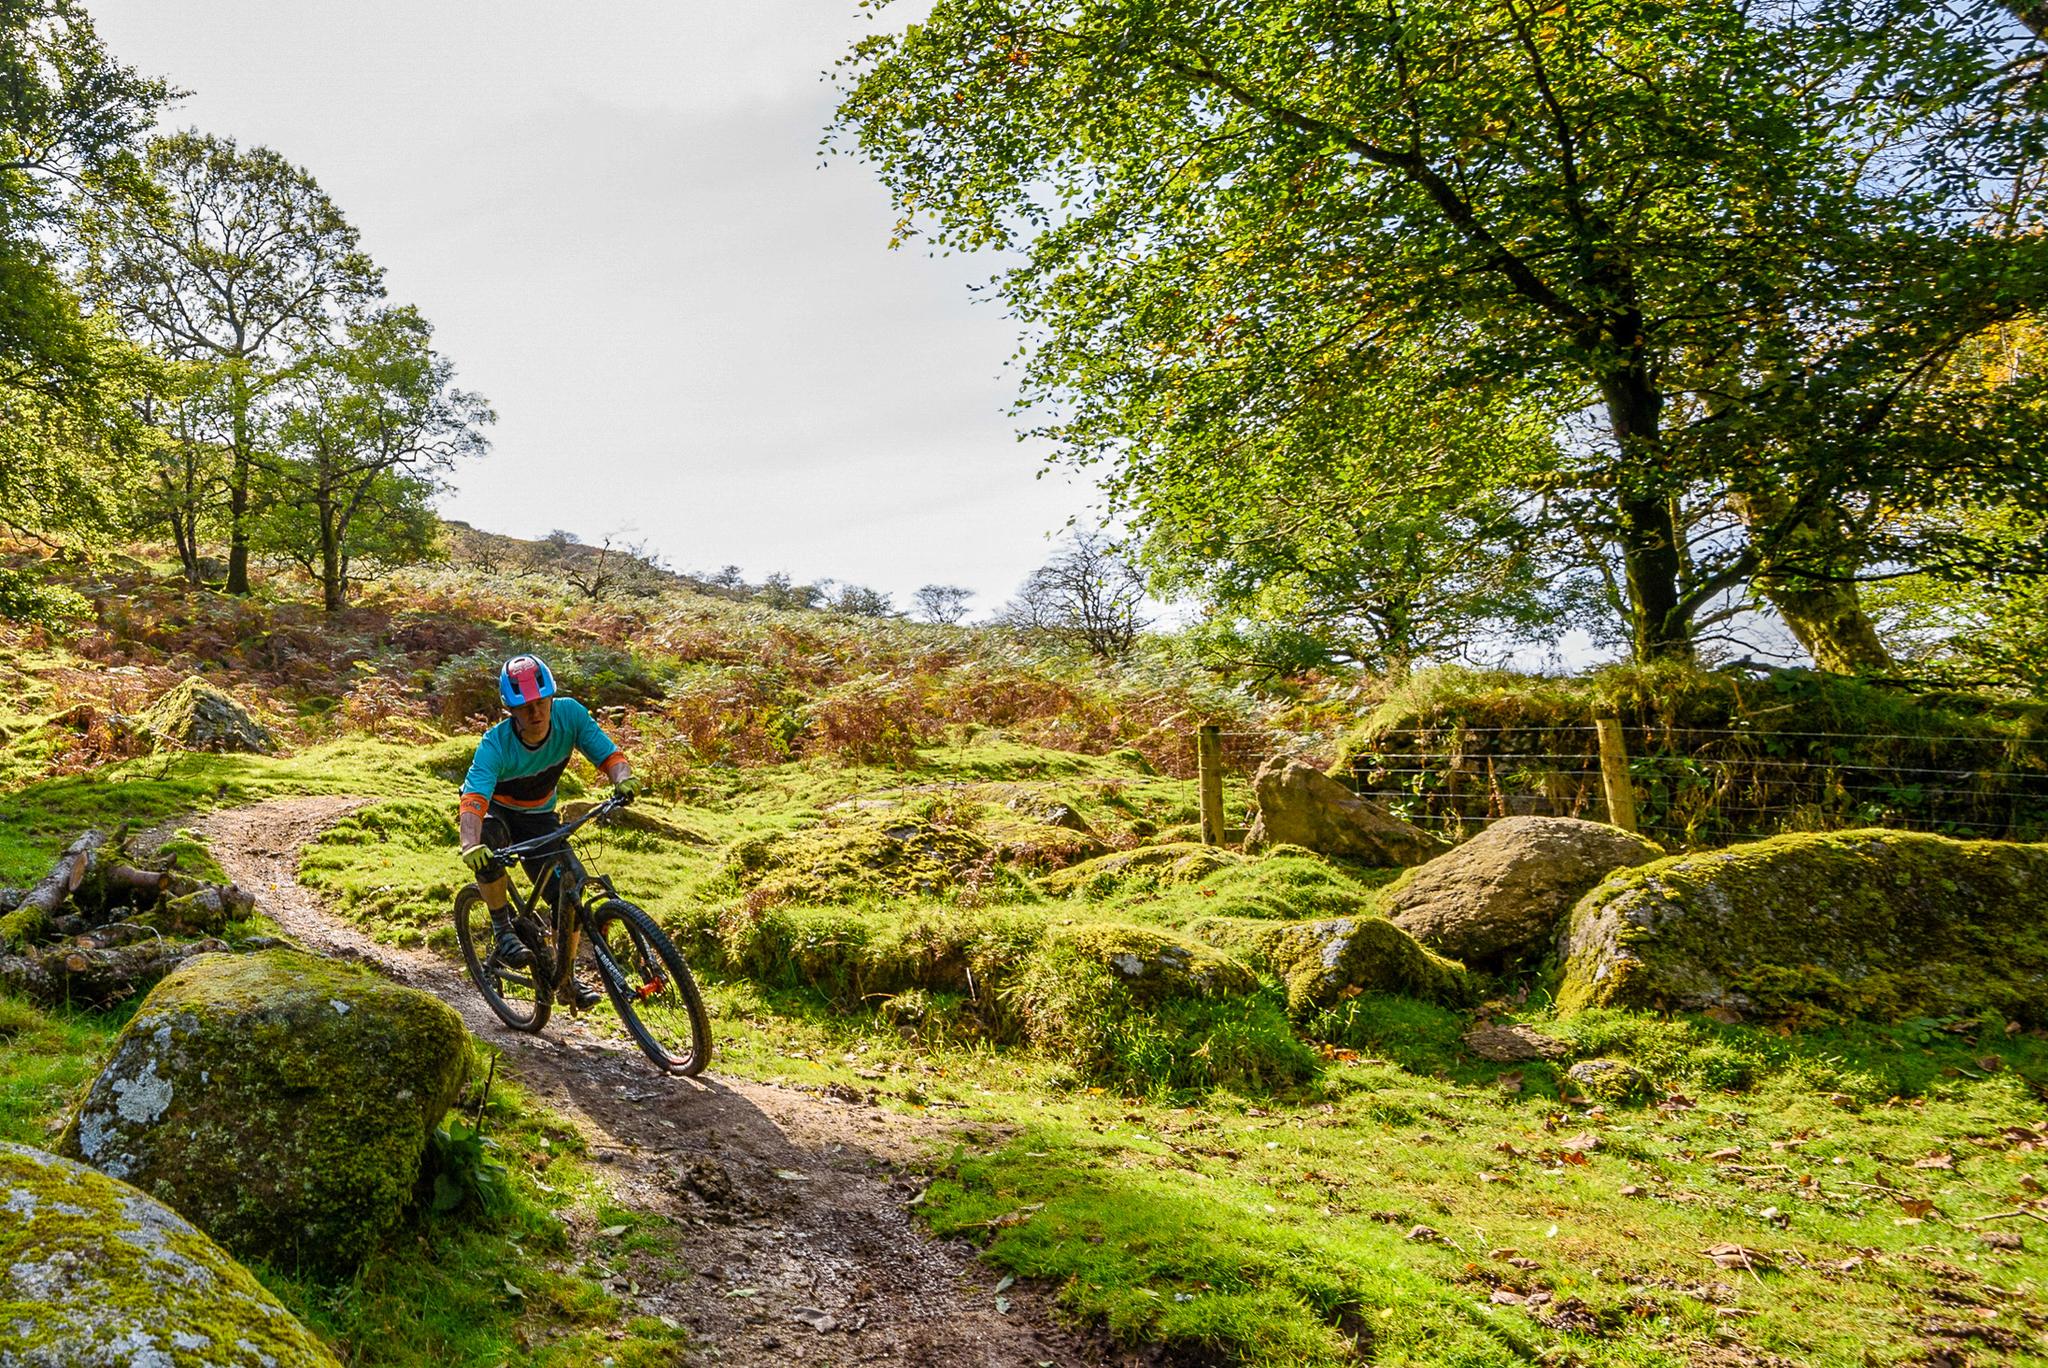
(532, 718)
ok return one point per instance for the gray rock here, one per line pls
(1503, 893)
(1874, 923)
(95, 1274)
(1609, 1080)
(282, 1102)
(197, 716)
(1300, 805)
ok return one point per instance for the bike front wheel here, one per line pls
(520, 997)
(650, 987)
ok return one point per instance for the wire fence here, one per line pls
(1696, 786)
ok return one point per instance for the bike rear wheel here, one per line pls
(520, 997)
(650, 987)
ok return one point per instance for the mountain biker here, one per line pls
(509, 794)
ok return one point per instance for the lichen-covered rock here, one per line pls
(1152, 866)
(198, 716)
(281, 1102)
(95, 1274)
(1300, 805)
(1865, 923)
(1609, 1080)
(1502, 894)
(890, 855)
(1323, 962)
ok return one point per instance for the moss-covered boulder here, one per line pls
(1609, 1080)
(1323, 962)
(198, 716)
(1502, 894)
(1301, 805)
(1866, 923)
(849, 859)
(95, 1274)
(1152, 866)
(1143, 1008)
(281, 1102)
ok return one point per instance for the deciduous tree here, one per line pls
(244, 264)
(1725, 246)
(366, 431)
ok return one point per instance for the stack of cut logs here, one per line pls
(97, 929)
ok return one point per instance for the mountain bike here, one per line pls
(642, 971)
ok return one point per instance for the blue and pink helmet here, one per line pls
(525, 679)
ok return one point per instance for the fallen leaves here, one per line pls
(1585, 1142)
(1738, 1256)
(1943, 1160)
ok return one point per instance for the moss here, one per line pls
(854, 958)
(1147, 867)
(1289, 884)
(97, 1272)
(280, 1101)
(1324, 962)
(1143, 1010)
(1884, 924)
(23, 926)
(846, 859)
(1609, 1080)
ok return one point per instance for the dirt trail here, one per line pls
(796, 1196)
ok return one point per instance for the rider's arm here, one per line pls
(600, 749)
(477, 788)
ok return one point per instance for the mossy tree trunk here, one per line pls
(1822, 608)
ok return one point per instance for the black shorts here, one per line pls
(505, 826)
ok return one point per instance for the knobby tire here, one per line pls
(473, 922)
(651, 988)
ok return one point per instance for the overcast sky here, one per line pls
(614, 215)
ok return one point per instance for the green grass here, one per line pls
(1199, 1173)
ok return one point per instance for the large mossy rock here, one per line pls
(281, 1102)
(1300, 805)
(1872, 923)
(95, 1274)
(1325, 961)
(1502, 894)
(198, 716)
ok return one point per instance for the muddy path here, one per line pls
(797, 1196)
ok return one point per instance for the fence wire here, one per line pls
(1694, 786)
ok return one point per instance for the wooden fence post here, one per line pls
(1209, 762)
(1614, 779)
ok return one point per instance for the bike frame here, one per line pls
(569, 909)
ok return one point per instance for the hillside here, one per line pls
(900, 856)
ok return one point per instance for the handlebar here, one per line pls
(560, 835)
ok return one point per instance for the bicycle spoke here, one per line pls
(651, 989)
(513, 993)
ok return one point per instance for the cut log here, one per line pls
(128, 876)
(70, 976)
(66, 875)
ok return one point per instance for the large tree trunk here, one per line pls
(333, 570)
(1825, 615)
(1652, 557)
(238, 492)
